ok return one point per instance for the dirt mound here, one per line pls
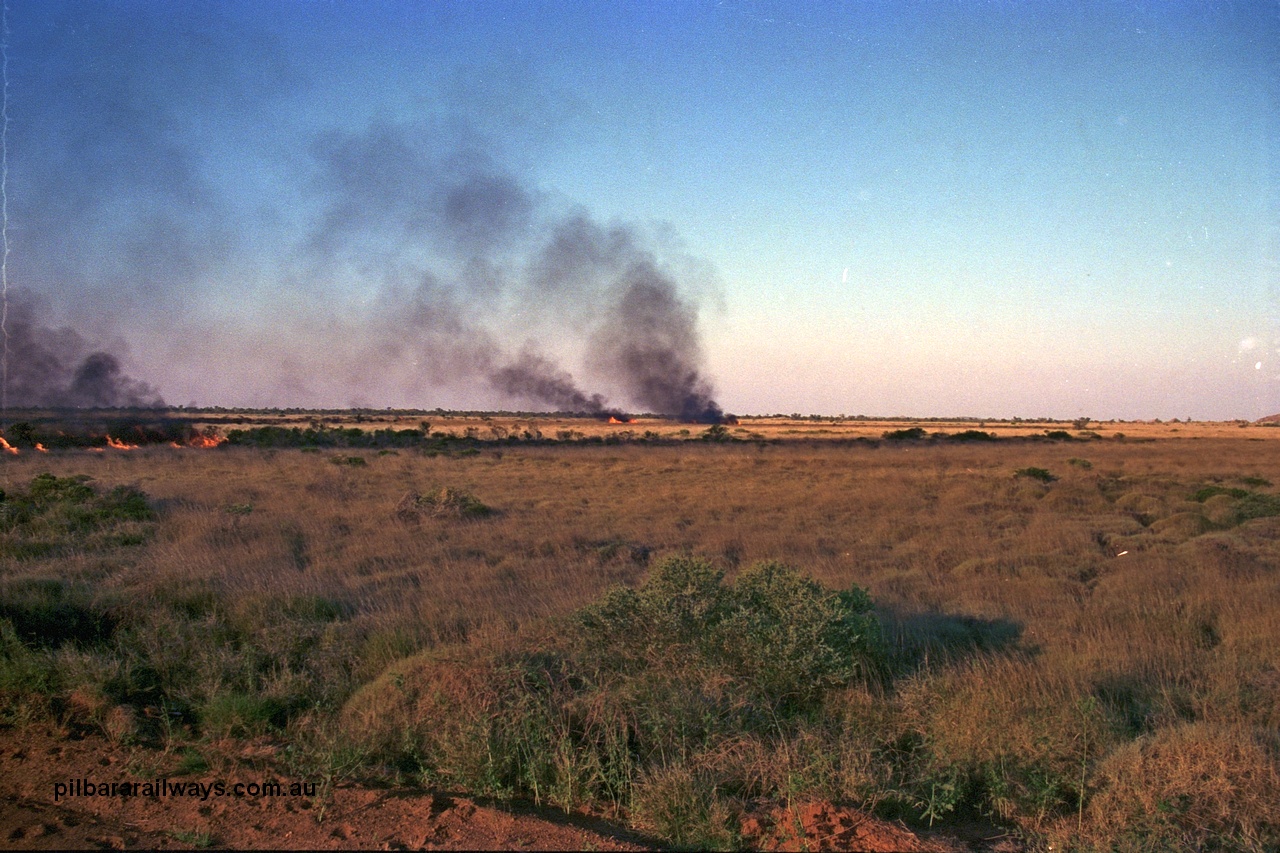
(825, 826)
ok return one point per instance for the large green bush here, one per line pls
(781, 638)
(643, 681)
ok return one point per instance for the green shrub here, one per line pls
(1203, 494)
(57, 512)
(351, 461)
(780, 635)
(46, 489)
(1248, 505)
(48, 612)
(1254, 505)
(315, 608)
(235, 714)
(717, 432)
(1040, 474)
(630, 699)
(27, 678)
(791, 639)
(911, 434)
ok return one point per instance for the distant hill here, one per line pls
(1269, 419)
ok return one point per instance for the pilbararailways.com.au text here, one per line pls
(159, 788)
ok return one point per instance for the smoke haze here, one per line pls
(395, 261)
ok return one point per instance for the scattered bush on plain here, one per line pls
(1080, 711)
(611, 706)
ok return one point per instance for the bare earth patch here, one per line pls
(32, 762)
(354, 818)
(824, 826)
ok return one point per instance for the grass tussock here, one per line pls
(1089, 661)
(444, 502)
(1194, 786)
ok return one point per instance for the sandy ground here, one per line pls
(35, 814)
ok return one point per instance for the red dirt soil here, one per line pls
(816, 826)
(354, 817)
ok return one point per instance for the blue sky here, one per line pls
(988, 209)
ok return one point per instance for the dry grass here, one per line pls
(1063, 655)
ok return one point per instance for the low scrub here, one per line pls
(972, 435)
(47, 612)
(56, 513)
(1203, 494)
(782, 638)
(1244, 505)
(350, 461)
(630, 695)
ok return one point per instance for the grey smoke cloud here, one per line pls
(383, 260)
(511, 258)
(650, 341)
(534, 377)
(57, 367)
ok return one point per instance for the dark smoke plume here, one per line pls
(536, 378)
(502, 267)
(649, 340)
(57, 367)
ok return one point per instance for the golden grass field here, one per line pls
(1092, 660)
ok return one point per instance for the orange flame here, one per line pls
(199, 440)
(615, 420)
(7, 447)
(119, 445)
(41, 447)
